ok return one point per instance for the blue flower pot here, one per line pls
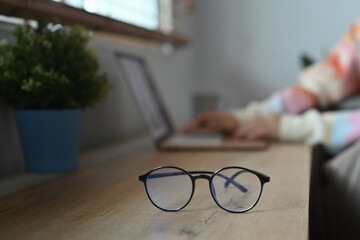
(50, 138)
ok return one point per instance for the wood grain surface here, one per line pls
(105, 200)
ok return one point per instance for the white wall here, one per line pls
(250, 48)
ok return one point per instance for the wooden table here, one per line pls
(105, 200)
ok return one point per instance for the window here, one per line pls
(144, 19)
(149, 14)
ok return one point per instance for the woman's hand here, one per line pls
(266, 127)
(214, 121)
(259, 128)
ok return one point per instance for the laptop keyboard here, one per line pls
(195, 139)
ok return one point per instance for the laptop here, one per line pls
(136, 74)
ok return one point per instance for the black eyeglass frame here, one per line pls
(201, 175)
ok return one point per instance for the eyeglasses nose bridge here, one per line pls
(202, 176)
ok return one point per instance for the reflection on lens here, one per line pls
(169, 188)
(236, 189)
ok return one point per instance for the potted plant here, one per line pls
(49, 75)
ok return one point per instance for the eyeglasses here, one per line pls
(234, 189)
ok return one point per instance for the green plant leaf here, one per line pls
(50, 67)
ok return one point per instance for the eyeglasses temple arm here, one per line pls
(231, 179)
(263, 177)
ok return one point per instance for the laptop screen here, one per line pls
(146, 95)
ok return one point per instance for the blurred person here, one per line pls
(292, 115)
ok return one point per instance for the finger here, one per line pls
(245, 129)
(190, 127)
(256, 134)
(205, 121)
(210, 124)
(195, 124)
(239, 134)
(252, 131)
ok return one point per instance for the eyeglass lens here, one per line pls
(225, 190)
(169, 188)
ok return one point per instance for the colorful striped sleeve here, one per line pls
(335, 130)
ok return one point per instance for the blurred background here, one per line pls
(230, 52)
